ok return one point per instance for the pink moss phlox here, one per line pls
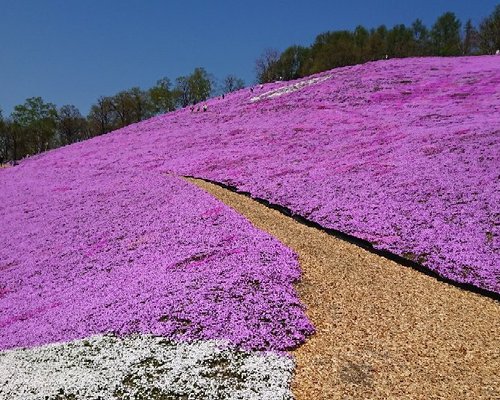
(128, 251)
(403, 153)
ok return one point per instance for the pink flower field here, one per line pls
(93, 247)
(105, 237)
(401, 153)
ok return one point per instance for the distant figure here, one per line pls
(251, 89)
(497, 52)
(205, 108)
(198, 109)
(387, 56)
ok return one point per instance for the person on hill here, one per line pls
(205, 108)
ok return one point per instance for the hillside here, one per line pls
(404, 154)
(105, 237)
(401, 153)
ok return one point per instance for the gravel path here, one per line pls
(383, 330)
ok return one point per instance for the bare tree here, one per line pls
(232, 83)
(102, 117)
(71, 126)
(266, 66)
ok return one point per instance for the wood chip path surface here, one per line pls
(384, 331)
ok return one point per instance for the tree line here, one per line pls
(335, 49)
(37, 126)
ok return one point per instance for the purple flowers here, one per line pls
(403, 153)
(100, 237)
(124, 251)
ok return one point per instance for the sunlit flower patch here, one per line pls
(103, 237)
(96, 248)
(402, 153)
(143, 367)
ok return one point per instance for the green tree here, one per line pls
(332, 50)
(71, 125)
(377, 43)
(400, 41)
(445, 35)
(122, 105)
(182, 94)
(292, 63)
(489, 32)
(421, 38)
(161, 97)
(200, 85)
(102, 117)
(39, 120)
(193, 88)
(131, 106)
(470, 44)
(14, 143)
(362, 43)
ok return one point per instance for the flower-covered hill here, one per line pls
(92, 245)
(402, 153)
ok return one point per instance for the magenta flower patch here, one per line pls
(402, 153)
(93, 247)
(97, 237)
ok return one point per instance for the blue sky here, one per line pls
(71, 52)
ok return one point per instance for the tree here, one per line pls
(193, 88)
(445, 35)
(400, 41)
(39, 120)
(71, 126)
(102, 117)
(266, 66)
(161, 97)
(332, 50)
(14, 143)
(292, 63)
(362, 42)
(232, 83)
(470, 43)
(421, 38)
(489, 32)
(377, 43)
(182, 94)
(122, 104)
(200, 85)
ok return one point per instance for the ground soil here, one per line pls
(383, 331)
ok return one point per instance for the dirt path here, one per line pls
(384, 331)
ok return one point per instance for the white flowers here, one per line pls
(142, 367)
(290, 88)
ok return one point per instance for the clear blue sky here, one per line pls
(73, 51)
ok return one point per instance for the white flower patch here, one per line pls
(290, 88)
(142, 367)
